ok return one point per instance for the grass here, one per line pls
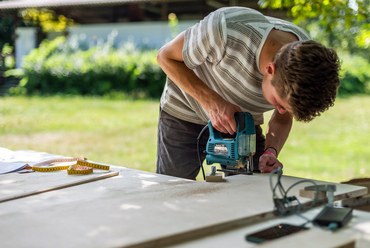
(333, 147)
(109, 131)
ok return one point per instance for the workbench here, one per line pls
(140, 209)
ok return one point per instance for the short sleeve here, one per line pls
(205, 41)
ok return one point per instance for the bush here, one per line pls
(62, 67)
(66, 67)
(355, 75)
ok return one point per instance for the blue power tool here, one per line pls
(235, 152)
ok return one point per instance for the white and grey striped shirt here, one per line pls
(223, 51)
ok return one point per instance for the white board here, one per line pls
(15, 185)
(140, 209)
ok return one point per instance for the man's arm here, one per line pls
(221, 112)
(277, 133)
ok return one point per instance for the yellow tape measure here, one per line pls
(97, 166)
(47, 169)
(80, 167)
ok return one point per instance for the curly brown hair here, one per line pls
(307, 76)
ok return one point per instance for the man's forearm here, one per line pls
(186, 79)
(221, 112)
(278, 131)
(170, 60)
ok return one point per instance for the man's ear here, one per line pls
(270, 68)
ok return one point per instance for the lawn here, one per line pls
(334, 147)
(109, 131)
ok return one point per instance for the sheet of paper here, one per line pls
(7, 167)
(5, 154)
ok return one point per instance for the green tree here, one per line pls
(345, 23)
(47, 19)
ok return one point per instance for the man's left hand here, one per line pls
(269, 163)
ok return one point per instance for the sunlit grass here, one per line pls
(110, 131)
(334, 147)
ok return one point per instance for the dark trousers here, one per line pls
(177, 153)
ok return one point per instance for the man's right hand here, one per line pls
(222, 116)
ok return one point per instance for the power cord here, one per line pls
(198, 141)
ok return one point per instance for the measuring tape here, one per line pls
(81, 166)
(78, 169)
(97, 166)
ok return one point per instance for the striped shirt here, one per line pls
(223, 51)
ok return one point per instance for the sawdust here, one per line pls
(204, 188)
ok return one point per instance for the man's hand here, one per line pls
(269, 163)
(222, 117)
(277, 132)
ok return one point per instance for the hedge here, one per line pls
(63, 67)
(355, 75)
(59, 67)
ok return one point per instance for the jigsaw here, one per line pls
(235, 152)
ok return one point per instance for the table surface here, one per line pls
(138, 209)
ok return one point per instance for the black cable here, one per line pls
(198, 140)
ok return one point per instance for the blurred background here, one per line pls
(79, 77)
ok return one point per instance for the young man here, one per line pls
(238, 60)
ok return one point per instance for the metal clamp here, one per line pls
(328, 188)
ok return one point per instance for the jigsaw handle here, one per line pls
(240, 119)
(240, 122)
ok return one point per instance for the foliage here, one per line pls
(356, 75)
(61, 66)
(7, 63)
(341, 24)
(341, 20)
(47, 19)
(7, 60)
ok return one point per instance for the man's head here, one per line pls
(307, 76)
